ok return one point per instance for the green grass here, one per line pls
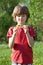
(5, 54)
(38, 53)
(5, 58)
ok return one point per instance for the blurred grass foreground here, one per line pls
(5, 54)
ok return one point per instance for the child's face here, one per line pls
(21, 19)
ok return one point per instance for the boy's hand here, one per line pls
(15, 29)
(25, 27)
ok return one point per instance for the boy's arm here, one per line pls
(29, 39)
(11, 40)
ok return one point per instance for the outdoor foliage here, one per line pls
(5, 55)
(36, 16)
(6, 8)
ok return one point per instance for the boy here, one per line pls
(21, 37)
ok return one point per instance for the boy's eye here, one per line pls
(18, 15)
(23, 15)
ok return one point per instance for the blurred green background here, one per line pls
(36, 21)
(36, 17)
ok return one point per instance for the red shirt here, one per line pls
(21, 52)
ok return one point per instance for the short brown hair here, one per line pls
(19, 10)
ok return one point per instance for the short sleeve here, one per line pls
(31, 32)
(10, 32)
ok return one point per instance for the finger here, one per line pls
(25, 26)
(15, 29)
